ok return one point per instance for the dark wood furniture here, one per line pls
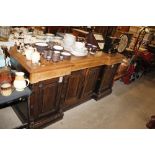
(57, 87)
(18, 99)
(80, 86)
(73, 88)
(105, 82)
(91, 78)
(45, 102)
(104, 30)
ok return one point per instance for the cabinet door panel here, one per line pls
(90, 81)
(106, 79)
(45, 102)
(105, 82)
(49, 98)
(108, 75)
(74, 86)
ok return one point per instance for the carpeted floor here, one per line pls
(129, 106)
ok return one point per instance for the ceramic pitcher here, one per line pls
(20, 82)
(35, 56)
(28, 52)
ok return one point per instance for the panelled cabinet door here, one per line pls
(90, 81)
(74, 88)
(49, 97)
(49, 94)
(108, 76)
(105, 82)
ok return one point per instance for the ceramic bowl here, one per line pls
(57, 48)
(66, 55)
(41, 46)
(6, 89)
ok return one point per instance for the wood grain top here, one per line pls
(48, 70)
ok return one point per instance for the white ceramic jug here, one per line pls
(28, 52)
(20, 82)
(35, 56)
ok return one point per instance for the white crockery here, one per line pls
(20, 82)
(79, 45)
(58, 38)
(35, 56)
(41, 44)
(6, 89)
(28, 52)
(49, 37)
(84, 52)
(56, 52)
(50, 34)
(66, 54)
(69, 36)
(57, 47)
(41, 37)
(68, 41)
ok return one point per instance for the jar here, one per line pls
(56, 56)
(6, 89)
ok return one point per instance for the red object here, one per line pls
(147, 59)
(5, 77)
(127, 78)
(147, 56)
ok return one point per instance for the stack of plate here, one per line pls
(68, 41)
(49, 37)
(27, 38)
(79, 49)
(57, 40)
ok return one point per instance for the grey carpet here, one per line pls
(8, 119)
(128, 107)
